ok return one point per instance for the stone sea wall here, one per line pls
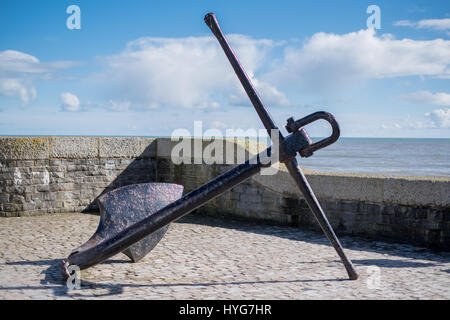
(45, 175)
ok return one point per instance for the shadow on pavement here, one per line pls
(356, 243)
(390, 263)
(54, 281)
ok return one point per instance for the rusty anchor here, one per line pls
(134, 218)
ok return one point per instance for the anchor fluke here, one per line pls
(125, 206)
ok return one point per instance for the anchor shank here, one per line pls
(263, 113)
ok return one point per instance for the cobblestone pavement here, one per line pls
(212, 258)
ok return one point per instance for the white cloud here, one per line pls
(18, 71)
(326, 60)
(16, 61)
(188, 72)
(404, 23)
(438, 98)
(436, 119)
(219, 125)
(15, 88)
(435, 24)
(407, 123)
(69, 102)
(119, 105)
(440, 117)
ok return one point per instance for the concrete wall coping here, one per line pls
(75, 147)
(372, 188)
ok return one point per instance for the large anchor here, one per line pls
(134, 218)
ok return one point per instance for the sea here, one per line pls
(389, 156)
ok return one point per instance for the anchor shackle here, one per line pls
(293, 126)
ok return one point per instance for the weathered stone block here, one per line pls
(41, 163)
(348, 206)
(12, 207)
(24, 148)
(55, 163)
(148, 147)
(24, 163)
(119, 147)
(29, 206)
(43, 188)
(421, 191)
(74, 147)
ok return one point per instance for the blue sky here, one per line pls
(146, 68)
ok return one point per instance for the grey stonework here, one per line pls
(65, 185)
(47, 175)
(43, 175)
